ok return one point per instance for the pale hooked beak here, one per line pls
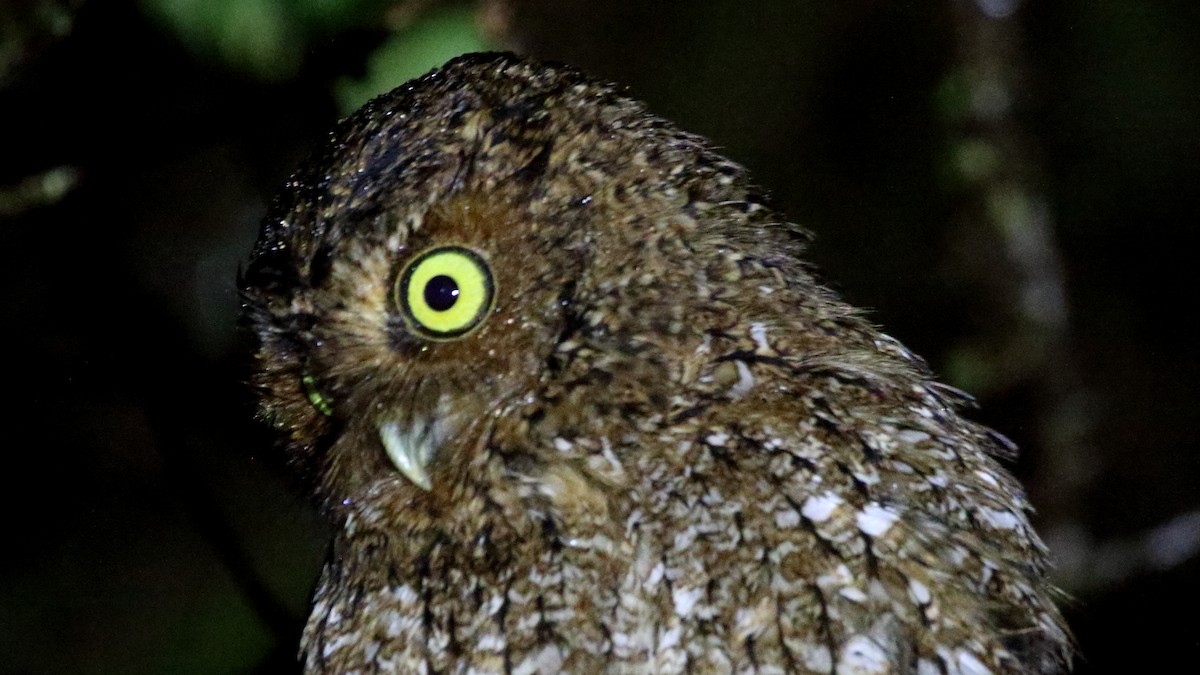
(410, 451)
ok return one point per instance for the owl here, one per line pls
(574, 402)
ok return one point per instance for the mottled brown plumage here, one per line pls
(660, 446)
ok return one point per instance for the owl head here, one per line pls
(496, 256)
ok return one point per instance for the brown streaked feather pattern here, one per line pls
(665, 449)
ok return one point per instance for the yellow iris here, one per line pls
(445, 292)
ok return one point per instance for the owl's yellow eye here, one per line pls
(445, 292)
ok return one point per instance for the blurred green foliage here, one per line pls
(265, 38)
(434, 38)
(269, 39)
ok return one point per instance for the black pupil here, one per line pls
(441, 292)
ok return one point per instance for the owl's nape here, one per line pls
(573, 403)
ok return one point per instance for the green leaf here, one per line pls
(433, 39)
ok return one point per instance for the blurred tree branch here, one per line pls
(1007, 245)
(1006, 230)
(1006, 225)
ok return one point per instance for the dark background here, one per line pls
(1009, 186)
